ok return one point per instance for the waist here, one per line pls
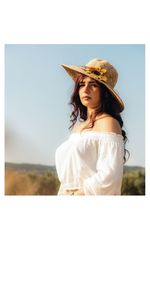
(68, 189)
(70, 186)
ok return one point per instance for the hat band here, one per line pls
(95, 72)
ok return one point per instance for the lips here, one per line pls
(86, 98)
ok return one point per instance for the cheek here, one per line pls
(80, 90)
(97, 96)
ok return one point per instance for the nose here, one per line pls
(86, 87)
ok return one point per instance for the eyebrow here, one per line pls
(88, 82)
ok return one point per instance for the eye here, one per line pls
(94, 85)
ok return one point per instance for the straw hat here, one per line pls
(100, 70)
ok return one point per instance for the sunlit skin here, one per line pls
(90, 94)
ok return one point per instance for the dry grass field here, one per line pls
(30, 183)
(26, 179)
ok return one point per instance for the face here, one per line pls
(89, 92)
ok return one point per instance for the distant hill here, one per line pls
(127, 169)
(26, 167)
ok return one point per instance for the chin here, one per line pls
(85, 105)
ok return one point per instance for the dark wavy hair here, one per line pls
(108, 105)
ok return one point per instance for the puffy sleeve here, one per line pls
(109, 168)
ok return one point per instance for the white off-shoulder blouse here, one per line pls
(92, 162)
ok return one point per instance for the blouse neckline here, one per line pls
(97, 132)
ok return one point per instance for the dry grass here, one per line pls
(30, 183)
(19, 182)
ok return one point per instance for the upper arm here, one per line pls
(108, 124)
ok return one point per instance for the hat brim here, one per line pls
(73, 72)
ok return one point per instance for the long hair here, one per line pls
(108, 105)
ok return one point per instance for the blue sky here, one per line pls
(37, 92)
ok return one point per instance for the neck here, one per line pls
(90, 113)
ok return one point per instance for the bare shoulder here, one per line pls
(107, 123)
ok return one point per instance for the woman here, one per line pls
(91, 161)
